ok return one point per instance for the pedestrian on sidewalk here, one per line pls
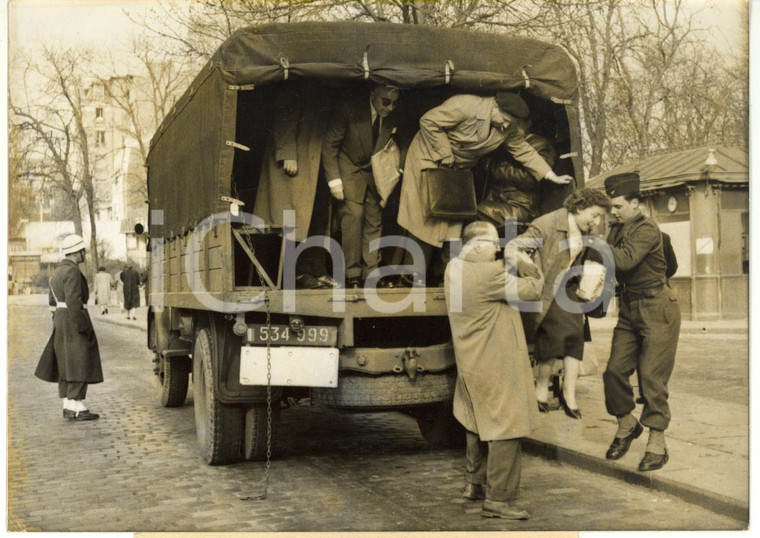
(131, 280)
(649, 322)
(103, 282)
(494, 398)
(557, 331)
(71, 357)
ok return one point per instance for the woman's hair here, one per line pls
(583, 198)
(101, 268)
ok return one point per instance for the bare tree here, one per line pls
(51, 108)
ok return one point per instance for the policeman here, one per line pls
(71, 357)
(649, 322)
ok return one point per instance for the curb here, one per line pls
(138, 326)
(719, 504)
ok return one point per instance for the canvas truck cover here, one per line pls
(190, 162)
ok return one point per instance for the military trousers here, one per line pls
(645, 339)
(495, 464)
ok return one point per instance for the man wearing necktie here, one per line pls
(357, 130)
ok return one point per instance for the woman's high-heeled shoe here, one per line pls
(572, 413)
(543, 407)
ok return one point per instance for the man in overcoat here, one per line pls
(649, 322)
(494, 398)
(358, 129)
(457, 133)
(71, 357)
(131, 280)
(290, 176)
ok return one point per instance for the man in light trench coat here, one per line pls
(456, 134)
(494, 398)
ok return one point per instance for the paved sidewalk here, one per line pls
(708, 439)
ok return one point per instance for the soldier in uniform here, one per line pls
(649, 322)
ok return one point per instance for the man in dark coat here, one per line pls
(649, 322)
(72, 357)
(356, 131)
(131, 280)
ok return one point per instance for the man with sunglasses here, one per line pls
(358, 129)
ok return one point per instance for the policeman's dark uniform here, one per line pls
(649, 322)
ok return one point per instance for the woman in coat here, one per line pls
(72, 357)
(103, 283)
(557, 333)
(457, 133)
(494, 395)
(131, 281)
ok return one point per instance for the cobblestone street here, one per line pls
(138, 469)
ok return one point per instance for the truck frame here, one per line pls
(219, 309)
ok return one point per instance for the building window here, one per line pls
(100, 139)
(99, 114)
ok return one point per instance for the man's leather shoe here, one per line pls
(652, 461)
(80, 416)
(354, 282)
(327, 281)
(502, 510)
(474, 492)
(307, 282)
(68, 413)
(414, 280)
(620, 445)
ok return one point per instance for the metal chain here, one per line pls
(267, 302)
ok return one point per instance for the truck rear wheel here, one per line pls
(174, 379)
(255, 441)
(219, 427)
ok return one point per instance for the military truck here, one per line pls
(219, 307)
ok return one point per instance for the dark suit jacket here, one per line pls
(347, 147)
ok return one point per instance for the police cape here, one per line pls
(72, 352)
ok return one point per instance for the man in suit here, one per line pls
(649, 322)
(358, 129)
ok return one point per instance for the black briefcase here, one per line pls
(450, 193)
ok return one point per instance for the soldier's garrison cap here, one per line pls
(513, 104)
(622, 184)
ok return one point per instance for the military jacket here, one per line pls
(637, 250)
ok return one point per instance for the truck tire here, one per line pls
(438, 426)
(387, 391)
(219, 427)
(174, 377)
(255, 440)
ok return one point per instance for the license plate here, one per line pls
(283, 335)
(289, 366)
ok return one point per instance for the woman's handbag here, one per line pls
(449, 193)
(385, 169)
(592, 281)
